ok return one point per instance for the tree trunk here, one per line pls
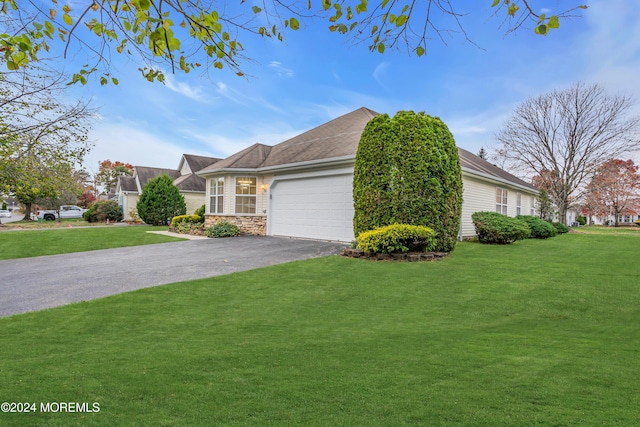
(27, 212)
(562, 213)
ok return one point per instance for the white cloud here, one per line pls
(280, 69)
(185, 89)
(380, 73)
(129, 143)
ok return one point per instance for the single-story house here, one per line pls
(191, 186)
(302, 187)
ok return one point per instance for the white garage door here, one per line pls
(315, 208)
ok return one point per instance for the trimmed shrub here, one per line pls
(103, 211)
(222, 229)
(581, 220)
(189, 228)
(407, 171)
(397, 238)
(637, 222)
(160, 201)
(200, 212)
(540, 229)
(492, 227)
(560, 227)
(189, 219)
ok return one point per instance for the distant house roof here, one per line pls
(190, 182)
(127, 183)
(337, 138)
(145, 174)
(197, 163)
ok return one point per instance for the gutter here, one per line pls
(333, 161)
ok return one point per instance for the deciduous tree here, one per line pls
(108, 173)
(614, 188)
(181, 34)
(42, 137)
(564, 136)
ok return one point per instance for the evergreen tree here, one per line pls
(407, 171)
(160, 201)
(545, 206)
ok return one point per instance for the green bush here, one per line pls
(407, 171)
(397, 238)
(200, 212)
(540, 229)
(492, 227)
(581, 220)
(222, 229)
(103, 211)
(190, 219)
(560, 227)
(160, 201)
(188, 227)
(637, 222)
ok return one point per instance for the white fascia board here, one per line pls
(494, 179)
(230, 171)
(333, 161)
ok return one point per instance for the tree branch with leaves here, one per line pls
(187, 34)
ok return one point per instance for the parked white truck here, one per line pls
(66, 211)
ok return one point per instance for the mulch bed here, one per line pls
(409, 256)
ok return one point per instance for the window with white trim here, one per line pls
(518, 204)
(501, 200)
(216, 201)
(533, 206)
(246, 194)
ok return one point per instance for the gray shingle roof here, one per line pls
(190, 182)
(197, 163)
(337, 138)
(127, 183)
(476, 164)
(145, 174)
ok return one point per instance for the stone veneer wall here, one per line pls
(253, 225)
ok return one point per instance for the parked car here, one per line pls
(5, 213)
(66, 211)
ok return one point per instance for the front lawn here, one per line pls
(542, 332)
(30, 243)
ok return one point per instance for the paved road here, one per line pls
(37, 283)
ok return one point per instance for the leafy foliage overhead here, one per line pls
(184, 34)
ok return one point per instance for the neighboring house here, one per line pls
(191, 186)
(302, 187)
(628, 216)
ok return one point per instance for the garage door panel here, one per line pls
(318, 208)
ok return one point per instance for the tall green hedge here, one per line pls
(407, 171)
(160, 201)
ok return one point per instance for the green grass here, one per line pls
(30, 243)
(542, 332)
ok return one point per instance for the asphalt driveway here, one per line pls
(31, 284)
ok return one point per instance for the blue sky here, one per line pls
(315, 76)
